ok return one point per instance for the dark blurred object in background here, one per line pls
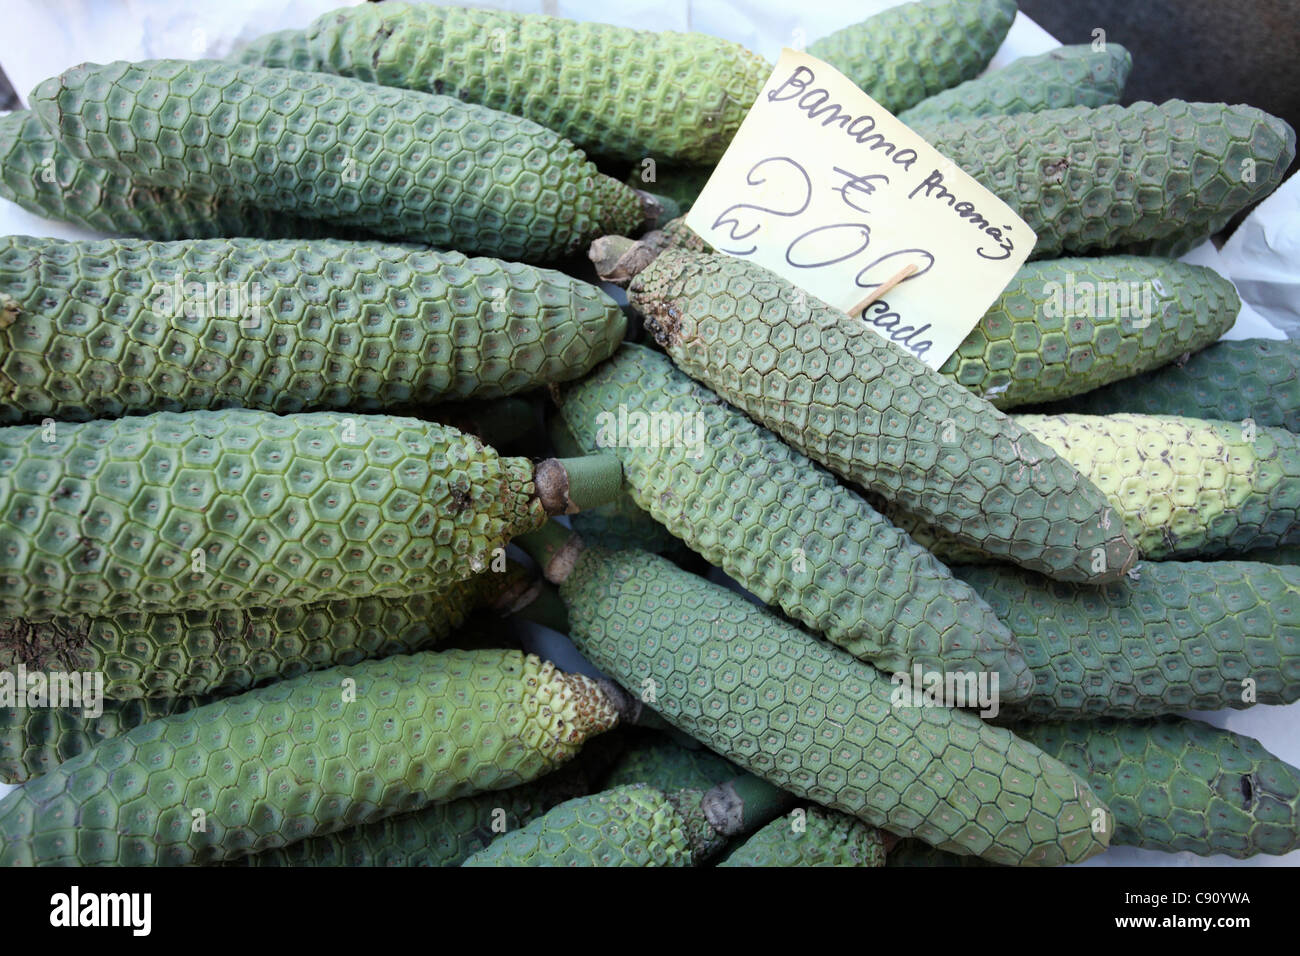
(1206, 50)
(8, 98)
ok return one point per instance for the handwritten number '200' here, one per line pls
(726, 217)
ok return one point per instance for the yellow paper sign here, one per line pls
(824, 187)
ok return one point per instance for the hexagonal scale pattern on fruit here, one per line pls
(304, 757)
(820, 838)
(810, 719)
(393, 162)
(239, 508)
(617, 93)
(115, 326)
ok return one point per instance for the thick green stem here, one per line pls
(568, 485)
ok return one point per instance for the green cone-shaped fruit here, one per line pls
(617, 93)
(812, 720)
(878, 416)
(396, 163)
(913, 50)
(303, 757)
(811, 836)
(1177, 784)
(101, 329)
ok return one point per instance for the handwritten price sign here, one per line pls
(824, 187)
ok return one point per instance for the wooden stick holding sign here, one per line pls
(884, 287)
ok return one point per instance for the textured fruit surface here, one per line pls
(1147, 179)
(1186, 487)
(240, 508)
(781, 526)
(913, 50)
(284, 49)
(814, 721)
(1060, 78)
(1257, 379)
(680, 183)
(393, 162)
(1181, 785)
(35, 740)
(877, 415)
(821, 838)
(444, 834)
(632, 825)
(1063, 326)
(100, 329)
(656, 759)
(39, 174)
(227, 650)
(305, 756)
(1287, 554)
(616, 92)
(1177, 636)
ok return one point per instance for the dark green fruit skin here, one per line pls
(1257, 379)
(105, 517)
(1064, 77)
(1144, 179)
(914, 50)
(1177, 784)
(786, 530)
(225, 651)
(283, 49)
(878, 416)
(39, 174)
(829, 839)
(105, 328)
(1177, 636)
(617, 93)
(445, 834)
(656, 759)
(303, 757)
(631, 825)
(680, 183)
(813, 721)
(396, 163)
(34, 741)
(1028, 347)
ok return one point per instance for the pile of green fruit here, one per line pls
(279, 463)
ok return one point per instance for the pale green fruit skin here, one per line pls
(227, 650)
(1068, 175)
(798, 539)
(394, 163)
(877, 415)
(813, 721)
(303, 757)
(281, 50)
(631, 825)
(40, 174)
(1186, 487)
(238, 508)
(615, 92)
(289, 326)
(1060, 78)
(1176, 636)
(826, 839)
(1177, 784)
(1257, 379)
(1064, 326)
(911, 51)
